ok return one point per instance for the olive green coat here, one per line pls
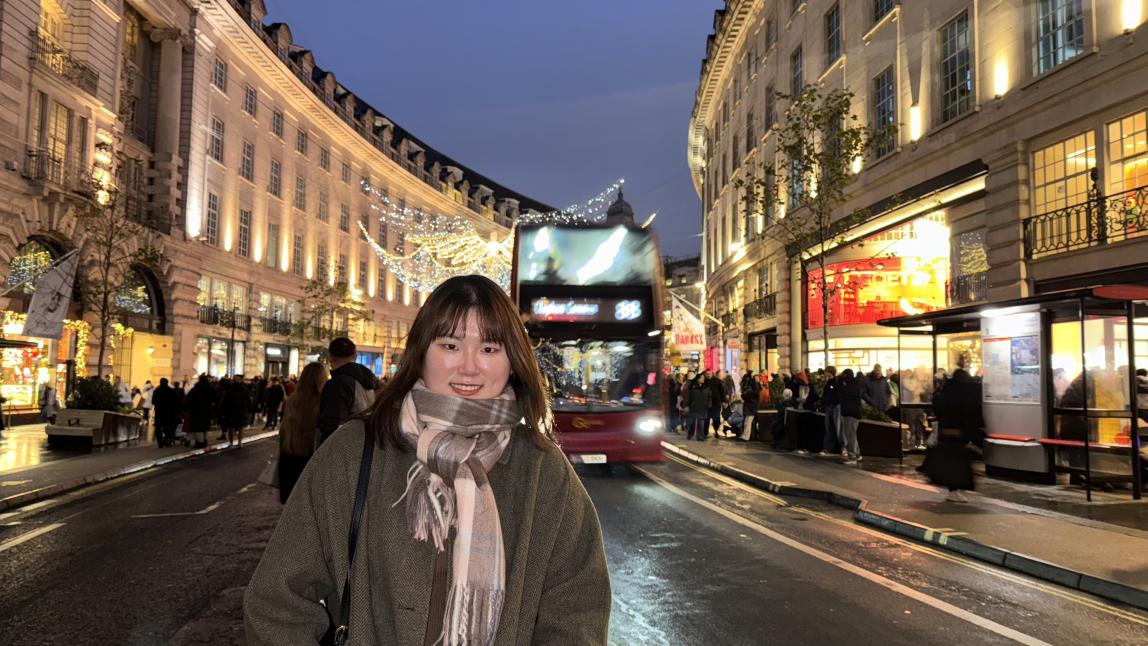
(557, 585)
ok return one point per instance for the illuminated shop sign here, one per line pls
(586, 310)
(900, 272)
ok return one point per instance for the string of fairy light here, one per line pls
(435, 247)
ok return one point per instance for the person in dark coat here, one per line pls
(234, 408)
(875, 390)
(201, 405)
(849, 398)
(697, 398)
(165, 404)
(717, 398)
(750, 393)
(958, 409)
(351, 386)
(831, 404)
(273, 400)
(675, 389)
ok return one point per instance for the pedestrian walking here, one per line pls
(698, 397)
(350, 390)
(201, 403)
(718, 397)
(273, 401)
(675, 391)
(49, 404)
(849, 396)
(297, 431)
(234, 409)
(165, 402)
(831, 404)
(750, 394)
(145, 400)
(462, 431)
(958, 408)
(124, 392)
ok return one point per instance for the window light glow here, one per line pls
(1130, 15)
(856, 164)
(914, 123)
(1000, 76)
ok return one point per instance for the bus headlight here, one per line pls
(649, 426)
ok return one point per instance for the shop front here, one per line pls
(379, 362)
(277, 360)
(900, 271)
(1057, 375)
(27, 364)
(218, 357)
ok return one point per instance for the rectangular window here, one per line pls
(324, 216)
(275, 179)
(277, 123)
(734, 151)
(324, 159)
(796, 72)
(344, 218)
(215, 146)
(1059, 33)
(244, 237)
(365, 183)
(955, 70)
(345, 173)
(362, 274)
(382, 234)
(770, 32)
(365, 220)
(211, 227)
(247, 164)
(301, 142)
(272, 245)
(381, 282)
(770, 107)
(400, 243)
(750, 139)
(1060, 173)
(322, 269)
(1128, 153)
(301, 192)
(219, 75)
(250, 100)
(832, 35)
(341, 269)
(884, 111)
(880, 9)
(297, 255)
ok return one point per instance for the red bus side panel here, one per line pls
(614, 435)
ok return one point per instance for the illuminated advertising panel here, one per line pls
(585, 256)
(899, 272)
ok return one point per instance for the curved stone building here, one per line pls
(246, 162)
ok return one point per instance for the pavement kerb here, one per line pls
(50, 491)
(998, 556)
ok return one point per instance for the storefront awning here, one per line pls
(13, 343)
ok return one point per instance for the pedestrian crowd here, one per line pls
(709, 404)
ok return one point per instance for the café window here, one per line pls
(1060, 172)
(1128, 153)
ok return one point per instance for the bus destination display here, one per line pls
(586, 310)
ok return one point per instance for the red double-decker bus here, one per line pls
(591, 300)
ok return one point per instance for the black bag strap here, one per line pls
(353, 535)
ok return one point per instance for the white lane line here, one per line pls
(206, 510)
(24, 538)
(916, 595)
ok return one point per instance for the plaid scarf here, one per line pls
(457, 442)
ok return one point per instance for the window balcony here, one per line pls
(1098, 221)
(968, 288)
(136, 209)
(60, 62)
(764, 307)
(225, 318)
(275, 325)
(43, 168)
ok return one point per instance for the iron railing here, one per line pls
(764, 307)
(41, 167)
(274, 325)
(136, 209)
(214, 315)
(1098, 221)
(968, 288)
(323, 332)
(61, 62)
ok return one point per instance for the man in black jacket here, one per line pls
(351, 386)
(831, 403)
(718, 397)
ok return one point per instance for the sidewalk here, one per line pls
(1017, 526)
(30, 471)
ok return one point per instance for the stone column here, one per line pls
(170, 84)
(1007, 204)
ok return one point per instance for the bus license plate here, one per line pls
(590, 458)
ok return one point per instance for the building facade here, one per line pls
(683, 276)
(1018, 167)
(251, 167)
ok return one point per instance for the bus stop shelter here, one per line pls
(1058, 379)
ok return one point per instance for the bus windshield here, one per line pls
(593, 375)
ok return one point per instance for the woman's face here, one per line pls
(463, 365)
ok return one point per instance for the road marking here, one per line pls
(24, 538)
(943, 606)
(247, 488)
(206, 510)
(985, 568)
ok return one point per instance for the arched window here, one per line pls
(140, 301)
(30, 262)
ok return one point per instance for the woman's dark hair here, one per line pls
(444, 312)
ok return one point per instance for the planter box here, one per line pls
(93, 428)
(805, 430)
(880, 439)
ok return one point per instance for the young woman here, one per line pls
(297, 432)
(465, 470)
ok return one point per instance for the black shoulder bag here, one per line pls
(337, 635)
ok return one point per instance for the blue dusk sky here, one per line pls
(555, 100)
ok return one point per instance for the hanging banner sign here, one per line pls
(689, 333)
(51, 299)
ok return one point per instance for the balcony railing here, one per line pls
(323, 332)
(41, 167)
(63, 64)
(137, 210)
(968, 288)
(764, 307)
(213, 315)
(727, 320)
(273, 325)
(1098, 221)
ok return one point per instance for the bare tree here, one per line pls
(819, 144)
(113, 241)
(323, 305)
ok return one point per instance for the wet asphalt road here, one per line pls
(162, 558)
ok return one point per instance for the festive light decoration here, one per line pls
(430, 248)
(82, 329)
(28, 266)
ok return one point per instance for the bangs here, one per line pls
(452, 322)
